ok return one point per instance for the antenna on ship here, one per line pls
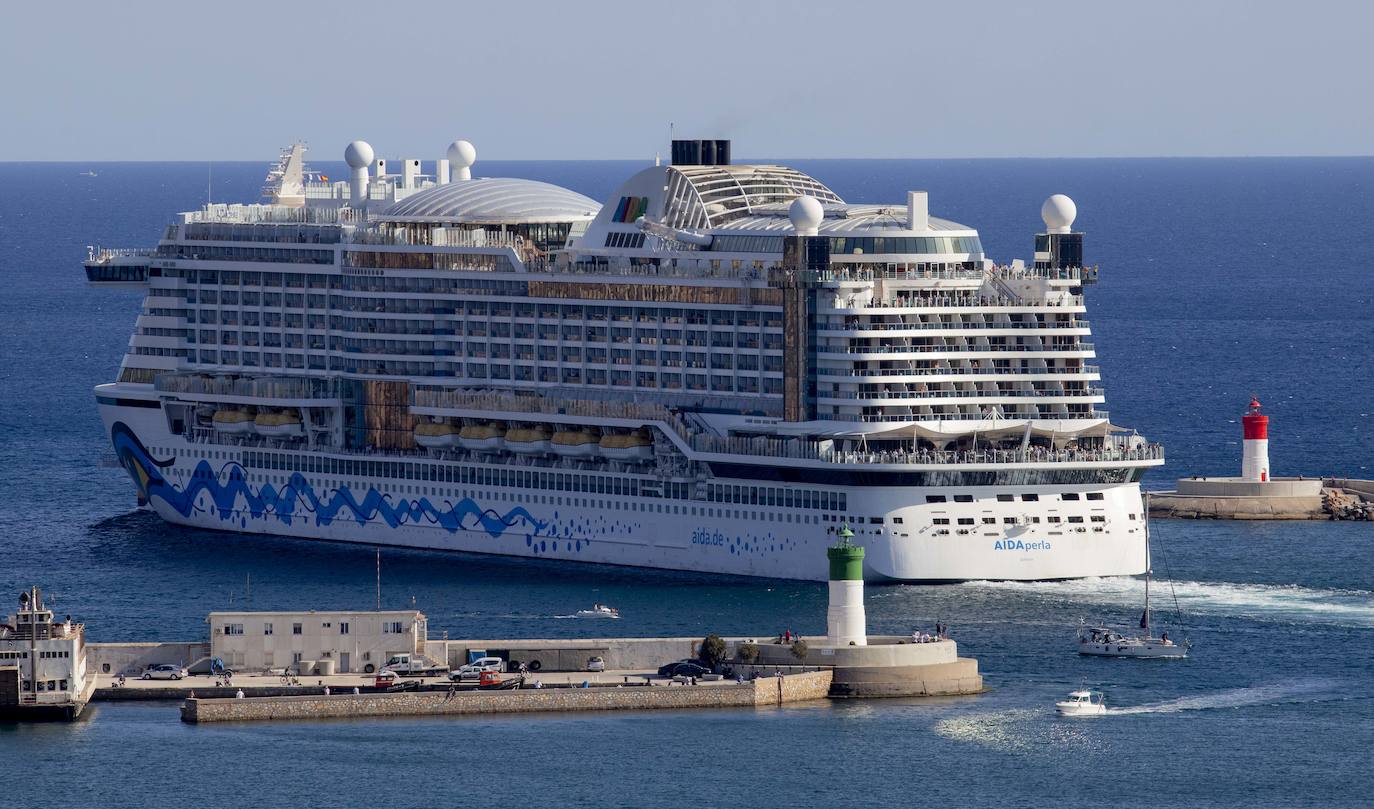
(379, 580)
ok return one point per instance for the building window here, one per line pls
(266, 629)
(295, 657)
(295, 629)
(343, 627)
(393, 627)
(233, 629)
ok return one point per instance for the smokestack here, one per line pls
(917, 211)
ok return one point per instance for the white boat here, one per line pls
(1103, 641)
(575, 444)
(734, 431)
(483, 438)
(1082, 703)
(278, 425)
(436, 435)
(528, 440)
(599, 611)
(631, 447)
(234, 422)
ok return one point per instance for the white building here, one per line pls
(315, 642)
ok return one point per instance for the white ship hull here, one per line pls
(209, 486)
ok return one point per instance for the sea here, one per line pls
(1220, 279)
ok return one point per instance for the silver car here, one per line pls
(164, 671)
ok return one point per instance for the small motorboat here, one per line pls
(491, 681)
(599, 611)
(1082, 703)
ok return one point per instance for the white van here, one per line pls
(475, 669)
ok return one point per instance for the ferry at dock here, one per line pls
(43, 672)
(714, 370)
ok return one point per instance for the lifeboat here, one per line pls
(284, 424)
(234, 422)
(481, 438)
(528, 440)
(436, 435)
(637, 446)
(575, 444)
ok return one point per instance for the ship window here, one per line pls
(1075, 519)
(963, 498)
(1053, 519)
(1094, 495)
(935, 498)
(1069, 496)
(966, 521)
(1030, 498)
(1006, 498)
(989, 520)
(940, 521)
(1009, 520)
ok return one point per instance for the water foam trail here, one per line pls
(1315, 690)
(1263, 602)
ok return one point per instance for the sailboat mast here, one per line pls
(1148, 566)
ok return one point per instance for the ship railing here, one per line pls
(764, 446)
(434, 237)
(1007, 373)
(958, 394)
(946, 349)
(254, 213)
(965, 301)
(256, 388)
(973, 326)
(103, 255)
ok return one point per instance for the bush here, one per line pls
(747, 652)
(712, 651)
(799, 649)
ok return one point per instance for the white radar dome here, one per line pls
(358, 155)
(462, 154)
(806, 214)
(1058, 213)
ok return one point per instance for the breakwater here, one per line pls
(763, 691)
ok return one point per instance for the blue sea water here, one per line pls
(1220, 278)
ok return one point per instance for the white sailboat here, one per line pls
(1103, 641)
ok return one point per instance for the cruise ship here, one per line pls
(715, 370)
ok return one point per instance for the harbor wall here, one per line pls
(572, 654)
(762, 692)
(130, 659)
(1170, 505)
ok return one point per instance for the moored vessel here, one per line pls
(712, 371)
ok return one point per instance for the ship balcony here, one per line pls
(273, 391)
(956, 352)
(888, 330)
(965, 397)
(933, 375)
(1116, 454)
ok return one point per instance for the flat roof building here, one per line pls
(315, 642)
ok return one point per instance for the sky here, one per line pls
(536, 79)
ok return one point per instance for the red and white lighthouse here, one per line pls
(1254, 459)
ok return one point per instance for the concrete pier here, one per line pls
(1275, 499)
(763, 691)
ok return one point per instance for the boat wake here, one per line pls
(1316, 690)
(1261, 602)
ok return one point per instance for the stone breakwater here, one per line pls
(761, 692)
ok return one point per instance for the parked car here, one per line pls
(683, 668)
(414, 665)
(473, 670)
(596, 664)
(164, 671)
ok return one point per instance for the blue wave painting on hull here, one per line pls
(146, 472)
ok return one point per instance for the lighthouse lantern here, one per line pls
(1254, 463)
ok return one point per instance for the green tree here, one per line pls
(712, 651)
(799, 649)
(747, 652)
